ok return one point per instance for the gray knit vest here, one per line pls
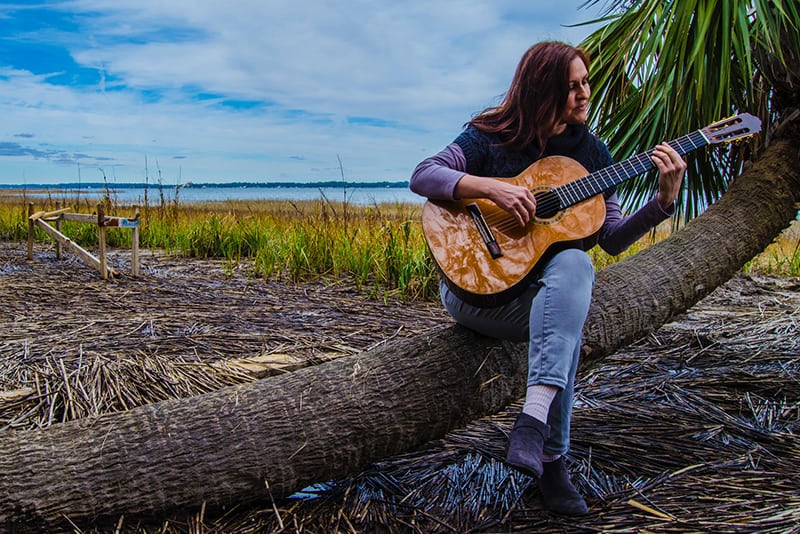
(485, 156)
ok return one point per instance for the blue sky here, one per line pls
(253, 90)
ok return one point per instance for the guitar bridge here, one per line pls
(483, 229)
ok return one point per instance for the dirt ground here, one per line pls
(188, 308)
(692, 429)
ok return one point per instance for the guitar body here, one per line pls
(468, 264)
(487, 259)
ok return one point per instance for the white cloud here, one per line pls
(417, 69)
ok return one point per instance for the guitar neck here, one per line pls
(613, 175)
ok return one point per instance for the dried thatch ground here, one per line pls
(693, 429)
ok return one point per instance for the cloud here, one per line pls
(56, 156)
(15, 149)
(365, 58)
(239, 89)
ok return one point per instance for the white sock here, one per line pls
(538, 399)
(547, 458)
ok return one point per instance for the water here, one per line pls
(363, 196)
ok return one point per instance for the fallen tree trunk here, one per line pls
(639, 294)
(275, 436)
(247, 443)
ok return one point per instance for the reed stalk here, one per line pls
(379, 249)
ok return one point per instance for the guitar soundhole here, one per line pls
(547, 204)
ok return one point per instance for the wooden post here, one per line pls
(30, 231)
(101, 239)
(59, 246)
(69, 243)
(135, 244)
(42, 218)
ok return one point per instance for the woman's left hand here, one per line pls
(671, 168)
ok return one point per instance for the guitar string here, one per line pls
(601, 180)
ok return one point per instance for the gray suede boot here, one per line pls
(558, 493)
(524, 451)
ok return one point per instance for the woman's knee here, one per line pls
(573, 266)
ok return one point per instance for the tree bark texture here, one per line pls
(276, 436)
(247, 443)
(639, 294)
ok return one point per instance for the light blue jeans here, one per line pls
(549, 315)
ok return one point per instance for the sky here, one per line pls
(254, 90)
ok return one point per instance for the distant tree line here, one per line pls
(141, 185)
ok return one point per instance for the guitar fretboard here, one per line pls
(608, 177)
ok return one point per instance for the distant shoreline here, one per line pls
(218, 185)
(137, 193)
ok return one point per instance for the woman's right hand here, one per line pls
(515, 199)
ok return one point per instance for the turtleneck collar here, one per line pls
(567, 141)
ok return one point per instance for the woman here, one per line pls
(543, 114)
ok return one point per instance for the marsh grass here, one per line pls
(380, 249)
(781, 257)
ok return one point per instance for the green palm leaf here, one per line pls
(664, 68)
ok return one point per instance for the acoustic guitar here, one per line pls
(486, 258)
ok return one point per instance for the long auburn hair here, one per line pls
(536, 98)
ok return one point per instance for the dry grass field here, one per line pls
(694, 429)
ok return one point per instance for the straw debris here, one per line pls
(693, 429)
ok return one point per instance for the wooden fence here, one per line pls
(41, 219)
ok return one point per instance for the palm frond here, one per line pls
(663, 68)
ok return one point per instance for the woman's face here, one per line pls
(575, 110)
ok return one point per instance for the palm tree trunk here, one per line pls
(247, 443)
(278, 435)
(639, 294)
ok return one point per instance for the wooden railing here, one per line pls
(41, 219)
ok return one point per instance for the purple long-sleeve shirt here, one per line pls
(436, 178)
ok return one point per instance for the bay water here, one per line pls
(361, 195)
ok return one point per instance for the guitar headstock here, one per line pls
(737, 127)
